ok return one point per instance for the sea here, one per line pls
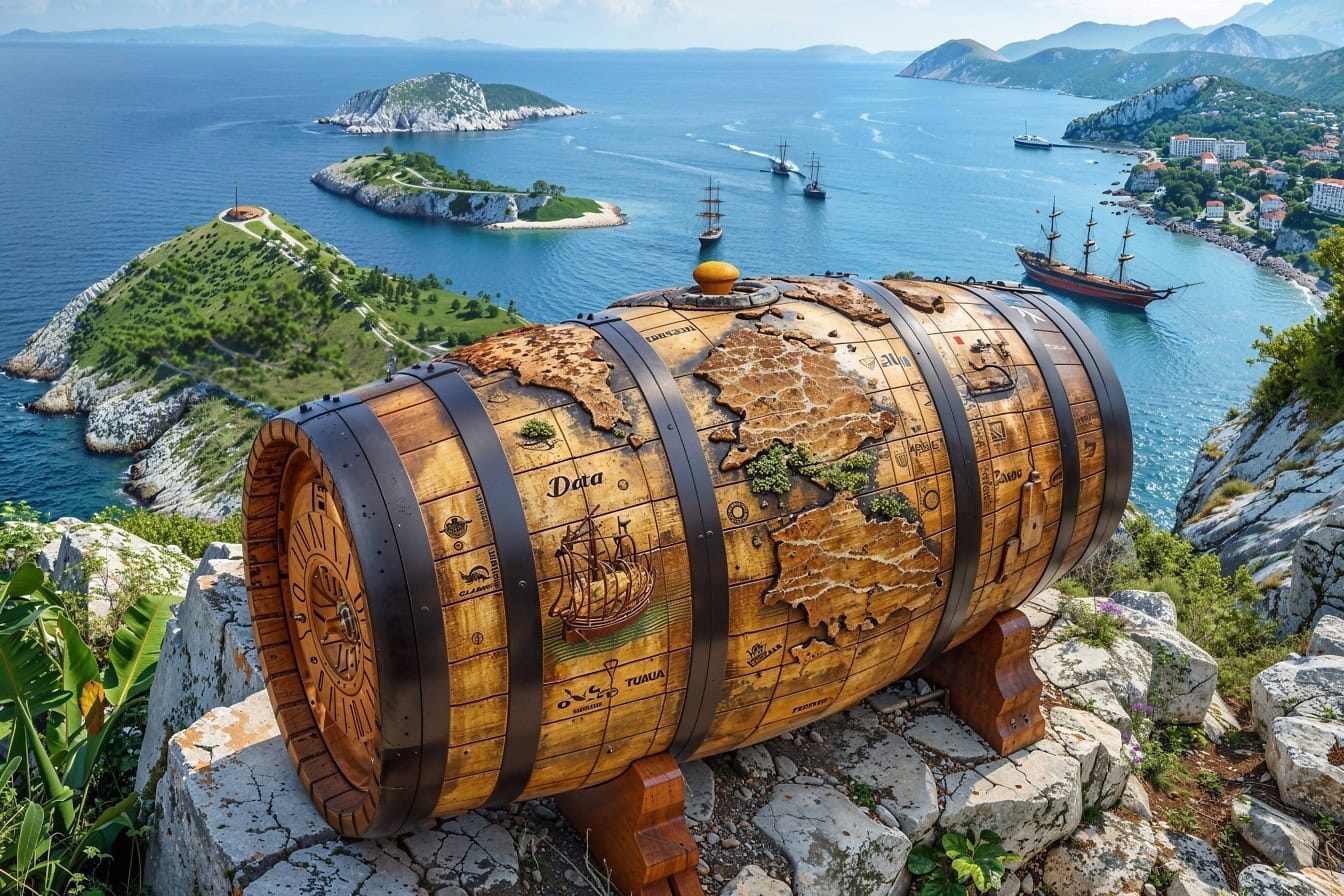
(110, 149)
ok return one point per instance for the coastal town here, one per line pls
(1229, 186)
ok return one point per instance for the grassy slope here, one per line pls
(226, 308)
(503, 97)
(403, 170)
(561, 208)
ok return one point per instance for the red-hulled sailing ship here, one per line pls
(1046, 269)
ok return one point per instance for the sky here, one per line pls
(872, 24)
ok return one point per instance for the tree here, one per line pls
(388, 152)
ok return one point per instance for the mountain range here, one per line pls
(1116, 74)
(257, 34)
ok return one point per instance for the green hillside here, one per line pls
(503, 97)
(1221, 108)
(270, 314)
(1115, 74)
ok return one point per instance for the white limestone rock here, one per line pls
(1156, 605)
(1285, 506)
(753, 880)
(834, 847)
(873, 755)
(228, 801)
(1279, 837)
(101, 561)
(1184, 677)
(1306, 758)
(46, 355)
(1031, 798)
(1104, 677)
(949, 737)
(1295, 683)
(1100, 751)
(1262, 880)
(209, 658)
(1197, 869)
(1327, 637)
(1115, 858)
(232, 818)
(465, 207)
(1317, 584)
(1043, 608)
(1166, 99)
(1135, 799)
(1220, 720)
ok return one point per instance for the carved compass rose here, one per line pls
(329, 615)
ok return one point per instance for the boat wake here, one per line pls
(665, 163)
(885, 153)
(818, 115)
(877, 136)
(751, 152)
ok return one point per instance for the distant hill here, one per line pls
(1115, 74)
(1323, 19)
(445, 101)
(947, 61)
(1096, 36)
(1237, 40)
(257, 34)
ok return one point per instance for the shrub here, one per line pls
(189, 534)
(1215, 611)
(1099, 627)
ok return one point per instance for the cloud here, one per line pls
(31, 7)
(617, 8)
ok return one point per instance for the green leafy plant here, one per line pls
(58, 714)
(863, 795)
(1209, 782)
(537, 429)
(192, 535)
(1093, 815)
(1183, 819)
(770, 471)
(1325, 824)
(963, 867)
(1099, 626)
(889, 507)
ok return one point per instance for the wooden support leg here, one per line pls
(636, 824)
(991, 684)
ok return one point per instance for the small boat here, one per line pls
(713, 230)
(781, 164)
(1028, 140)
(813, 189)
(1045, 269)
(606, 582)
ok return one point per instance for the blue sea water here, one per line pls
(110, 149)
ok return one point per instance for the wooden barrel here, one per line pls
(687, 524)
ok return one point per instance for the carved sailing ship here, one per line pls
(606, 582)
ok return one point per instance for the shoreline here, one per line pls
(609, 216)
(1256, 253)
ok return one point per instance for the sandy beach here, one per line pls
(609, 216)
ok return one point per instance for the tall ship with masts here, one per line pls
(606, 582)
(712, 214)
(1047, 269)
(781, 164)
(813, 189)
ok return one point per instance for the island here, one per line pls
(416, 185)
(182, 353)
(445, 101)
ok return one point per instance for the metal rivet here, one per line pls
(522, 583)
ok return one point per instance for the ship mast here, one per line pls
(1089, 245)
(1124, 257)
(783, 151)
(711, 203)
(1053, 234)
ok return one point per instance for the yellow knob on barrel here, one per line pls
(715, 278)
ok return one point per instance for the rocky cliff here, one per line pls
(1137, 112)
(443, 102)
(1270, 494)
(466, 207)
